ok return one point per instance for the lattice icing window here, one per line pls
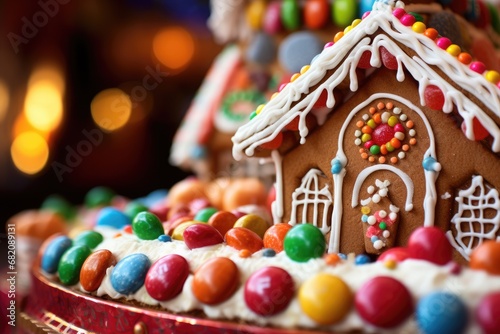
(309, 196)
(477, 218)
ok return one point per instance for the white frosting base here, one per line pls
(420, 277)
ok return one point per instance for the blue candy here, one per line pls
(362, 259)
(112, 217)
(165, 238)
(298, 49)
(365, 6)
(54, 252)
(262, 49)
(441, 313)
(129, 274)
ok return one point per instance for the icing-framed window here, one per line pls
(309, 198)
(476, 218)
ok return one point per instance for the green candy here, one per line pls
(71, 264)
(304, 242)
(88, 238)
(99, 196)
(147, 226)
(344, 12)
(204, 214)
(60, 206)
(375, 149)
(290, 14)
(133, 208)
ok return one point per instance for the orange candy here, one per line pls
(377, 118)
(222, 221)
(94, 269)
(395, 143)
(431, 33)
(486, 257)
(215, 281)
(366, 129)
(332, 259)
(316, 13)
(242, 238)
(464, 58)
(275, 235)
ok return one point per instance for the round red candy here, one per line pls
(430, 244)
(215, 281)
(487, 313)
(274, 236)
(94, 269)
(269, 291)
(316, 13)
(434, 97)
(166, 277)
(201, 235)
(384, 302)
(242, 238)
(398, 254)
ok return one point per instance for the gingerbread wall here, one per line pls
(459, 157)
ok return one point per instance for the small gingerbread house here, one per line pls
(410, 137)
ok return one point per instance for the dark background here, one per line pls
(99, 44)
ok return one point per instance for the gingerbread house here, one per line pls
(410, 137)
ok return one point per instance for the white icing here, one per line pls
(472, 203)
(308, 194)
(446, 195)
(277, 205)
(420, 277)
(338, 183)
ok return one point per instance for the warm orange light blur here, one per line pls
(29, 152)
(48, 73)
(43, 104)
(173, 47)
(111, 109)
(4, 99)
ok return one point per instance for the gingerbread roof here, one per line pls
(430, 60)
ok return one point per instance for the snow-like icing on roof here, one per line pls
(278, 112)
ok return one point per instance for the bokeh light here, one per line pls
(4, 99)
(43, 104)
(174, 47)
(29, 152)
(111, 109)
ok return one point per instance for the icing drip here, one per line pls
(348, 51)
(472, 203)
(312, 195)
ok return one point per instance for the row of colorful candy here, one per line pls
(276, 16)
(217, 280)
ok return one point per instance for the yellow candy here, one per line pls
(390, 264)
(255, 13)
(178, 233)
(418, 27)
(254, 223)
(355, 22)
(274, 95)
(454, 50)
(259, 108)
(365, 210)
(365, 137)
(304, 69)
(347, 29)
(371, 123)
(294, 77)
(492, 76)
(393, 120)
(325, 299)
(389, 147)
